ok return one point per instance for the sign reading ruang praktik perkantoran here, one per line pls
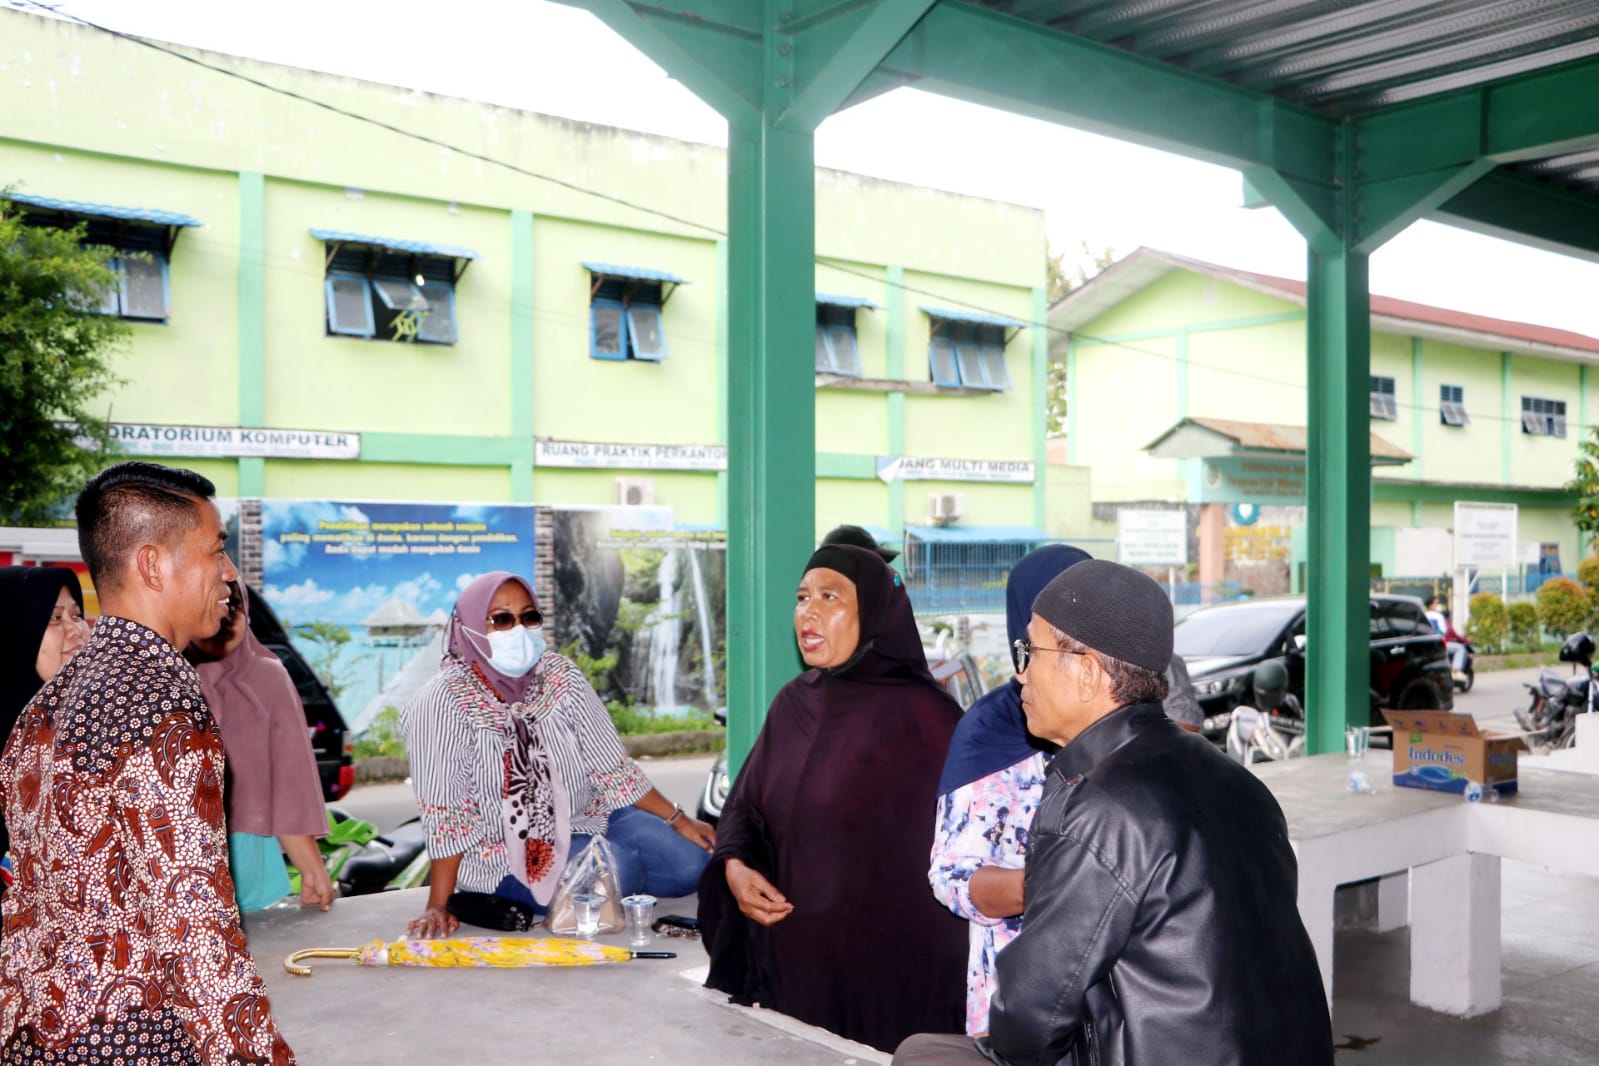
(233, 442)
(593, 454)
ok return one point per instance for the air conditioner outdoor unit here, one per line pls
(945, 507)
(635, 491)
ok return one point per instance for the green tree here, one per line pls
(1489, 627)
(1585, 486)
(55, 362)
(1065, 272)
(1563, 606)
(1524, 626)
(328, 660)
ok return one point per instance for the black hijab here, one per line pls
(27, 596)
(890, 645)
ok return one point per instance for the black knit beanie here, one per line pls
(1112, 609)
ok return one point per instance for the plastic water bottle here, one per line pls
(1473, 791)
(1359, 782)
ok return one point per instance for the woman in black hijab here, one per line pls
(816, 901)
(41, 627)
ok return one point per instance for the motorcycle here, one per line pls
(1275, 727)
(1467, 677)
(1558, 698)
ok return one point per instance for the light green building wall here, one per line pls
(96, 119)
(1128, 396)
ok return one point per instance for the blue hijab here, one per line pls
(993, 733)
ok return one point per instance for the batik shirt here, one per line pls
(985, 823)
(455, 735)
(122, 942)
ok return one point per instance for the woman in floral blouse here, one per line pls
(993, 780)
(516, 765)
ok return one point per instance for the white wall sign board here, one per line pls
(1152, 538)
(233, 442)
(1485, 534)
(916, 468)
(592, 455)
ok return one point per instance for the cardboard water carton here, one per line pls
(1441, 750)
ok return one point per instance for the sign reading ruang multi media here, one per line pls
(590, 454)
(233, 442)
(916, 468)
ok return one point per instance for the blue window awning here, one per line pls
(976, 318)
(853, 302)
(616, 272)
(152, 229)
(977, 534)
(395, 244)
(125, 214)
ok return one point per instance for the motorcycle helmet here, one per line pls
(1271, 685)
(1578, 648)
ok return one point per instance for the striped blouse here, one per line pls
(457, 767)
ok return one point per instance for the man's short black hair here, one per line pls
(134, 503)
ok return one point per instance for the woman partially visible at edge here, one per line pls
(816, 901)
(274, 792)
(41, 627)
(517, 765)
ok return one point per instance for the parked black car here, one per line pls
(329, 735)
(1222, 645)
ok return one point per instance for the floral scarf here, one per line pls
(534, 803)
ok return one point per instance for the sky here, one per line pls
(558, 60)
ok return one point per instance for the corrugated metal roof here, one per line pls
(612, 270)
(845, 301)
(395, 244)
(130, 214)
(1262, 437)
(987, 534)
(978, 318)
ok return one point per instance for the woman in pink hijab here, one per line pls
(274, 795)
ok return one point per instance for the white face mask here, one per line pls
(517, 650)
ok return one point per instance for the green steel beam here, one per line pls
(832, 53)
(1527, 116)
(1339, 473)
(771, 252)
(1384, 208)
(713, 48)
(1527, 211)
(988, 57)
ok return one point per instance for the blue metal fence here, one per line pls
(961, 577)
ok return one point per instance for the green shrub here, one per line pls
(1489, 627)
(631, 720)
(1563, 606)
(382, 737)
(1524, 635)
(1588, 573)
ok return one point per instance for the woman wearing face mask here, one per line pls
(516, 765)
(41, 627)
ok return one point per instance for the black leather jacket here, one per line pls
(1161, 922)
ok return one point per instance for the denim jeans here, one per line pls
(650, 857)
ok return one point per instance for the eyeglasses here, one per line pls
(503, 620)
(1022, 652)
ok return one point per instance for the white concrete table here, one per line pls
(1451, 850)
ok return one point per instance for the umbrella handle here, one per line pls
(292, 962)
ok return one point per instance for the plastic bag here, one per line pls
(592, 870)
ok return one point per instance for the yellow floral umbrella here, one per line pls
(476, 951)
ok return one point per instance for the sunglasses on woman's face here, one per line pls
(503, 620)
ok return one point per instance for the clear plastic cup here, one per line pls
(640, 911)
(586, 910)
(1356, 739)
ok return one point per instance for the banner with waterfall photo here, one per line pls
(640, 605)
(365, 588)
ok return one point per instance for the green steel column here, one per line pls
(894, 308)
(252, 322)
(522, 341)
(1339, 583)
(721, 376)
(771, 253)
(1038, 362)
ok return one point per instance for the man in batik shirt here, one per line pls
(122, 942)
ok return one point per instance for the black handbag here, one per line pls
(488, 911)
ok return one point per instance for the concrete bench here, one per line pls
(1450, 849)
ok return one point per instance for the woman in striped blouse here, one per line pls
(516, 765)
